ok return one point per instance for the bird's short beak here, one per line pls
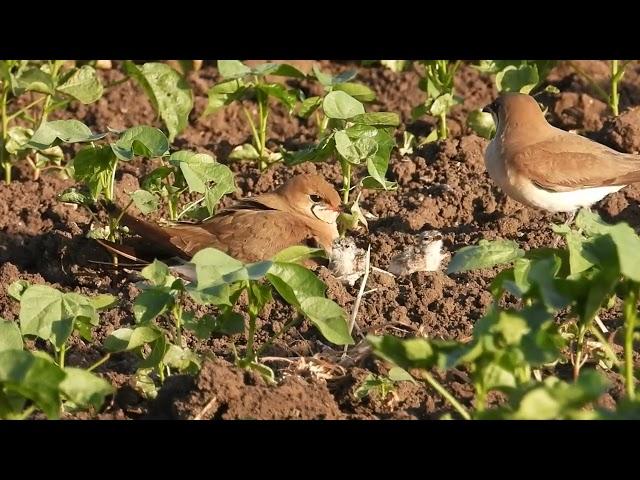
(488, 109)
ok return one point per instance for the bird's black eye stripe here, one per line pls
(315, 198)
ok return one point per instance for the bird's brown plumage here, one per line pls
(254, 228)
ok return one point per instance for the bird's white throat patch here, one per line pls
(325, 214)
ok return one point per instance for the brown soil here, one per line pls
(443, 186)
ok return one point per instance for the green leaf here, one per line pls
(329, 318)
(145, 201)
(232, 69)
(83, 85)
(125, 339)
(521, 79)
(484, 255)
(182, 359)
(378, 119)
(378, 163)
(201, 327)
(103, 301)
(287, 97)
(158, 351)
(32, 377)
(482, 123)
(151, 303)
(84, 388)
(442, 104)
(341, 105)
(17, 139)
(327, 80)
(578, 261)
(295, 282)
(169, 92)
(17, 288)
(308, 106)
(68, 131)
(298, 253)
(244, 152)
(358, 91)
(141, 140)
(157, 273)
(354, 151)
(49, 314)
(373, 184)
(35, 80)
(94, 166)
(398, 374)
(10, 336)
(317, 153)
(200, 169)
(230, 323)
(211, 264)
(259, 296)
(278, 69)
(75, 195)
(223, 94)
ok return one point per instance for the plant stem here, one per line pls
(24, 109)
(263, 112)
(250, 355)
(6, 162)
(425, 375)
(99, 362)
(443, 126)
(189, 207)
(630, 318)
(579, 348)
(47, 103)
(346, 180)
(63, 352)
(27, 413)
(281, 332)
(614, 99)
(177, 313)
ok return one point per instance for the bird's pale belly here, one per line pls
(563, 201)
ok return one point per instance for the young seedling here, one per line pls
(53, 84)
(612, 98)
(241, 84)
(438, 84)
(355, 138)
(341, 82)
(222, 279)
(26, 376)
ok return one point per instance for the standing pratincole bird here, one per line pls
(544, 167)
(304, 210)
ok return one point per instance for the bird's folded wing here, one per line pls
(256, 235)
(566, 163)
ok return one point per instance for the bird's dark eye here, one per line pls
(315, 198)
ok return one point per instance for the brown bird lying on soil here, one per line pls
(304, 210)
(548, 168)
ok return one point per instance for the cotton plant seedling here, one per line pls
(181, 172)
(219, 282)
(341, 82)
(49, 85)
(383, 386)
(393, 65)
(356, 139)
(34, 380)
(243, 84)
(612, 98)
(438, 83)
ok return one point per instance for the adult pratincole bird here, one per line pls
(304, 210)
(548, 168)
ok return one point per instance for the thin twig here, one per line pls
(379, 270)
(363, 284)
(206, 409)
(601, 325)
